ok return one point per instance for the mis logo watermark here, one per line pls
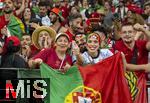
(29, 88)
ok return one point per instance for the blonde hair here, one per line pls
(137, 19)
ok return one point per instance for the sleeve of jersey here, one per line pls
(43, 54)
(141, 44)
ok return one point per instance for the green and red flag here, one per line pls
(103, 82)
(16, 27)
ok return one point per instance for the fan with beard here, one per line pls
(77, 30)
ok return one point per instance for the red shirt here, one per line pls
(135, 8)
(141, 59)
(141, 47)
(34, 50)
(3, 23)
(50, 57)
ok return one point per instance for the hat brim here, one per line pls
(62, 34)
(35, 34)
(94, 19)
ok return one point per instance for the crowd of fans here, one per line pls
(62, 33)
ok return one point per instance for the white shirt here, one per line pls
(44, 20)
(122, 11)
(103, 54)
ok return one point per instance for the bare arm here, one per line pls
(148, 46)
(21, 9)
(146, 33)
(144, 67)
(33, 63)
(134, 67)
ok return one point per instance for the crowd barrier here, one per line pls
(10, 73)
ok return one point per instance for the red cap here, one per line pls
(135, 9)
(95, 17)
(14, 39)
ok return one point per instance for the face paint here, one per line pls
(95, 36)
(93, 43)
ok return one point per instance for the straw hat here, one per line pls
(35, 34)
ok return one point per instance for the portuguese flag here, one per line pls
(16, 27)
(103, 82)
